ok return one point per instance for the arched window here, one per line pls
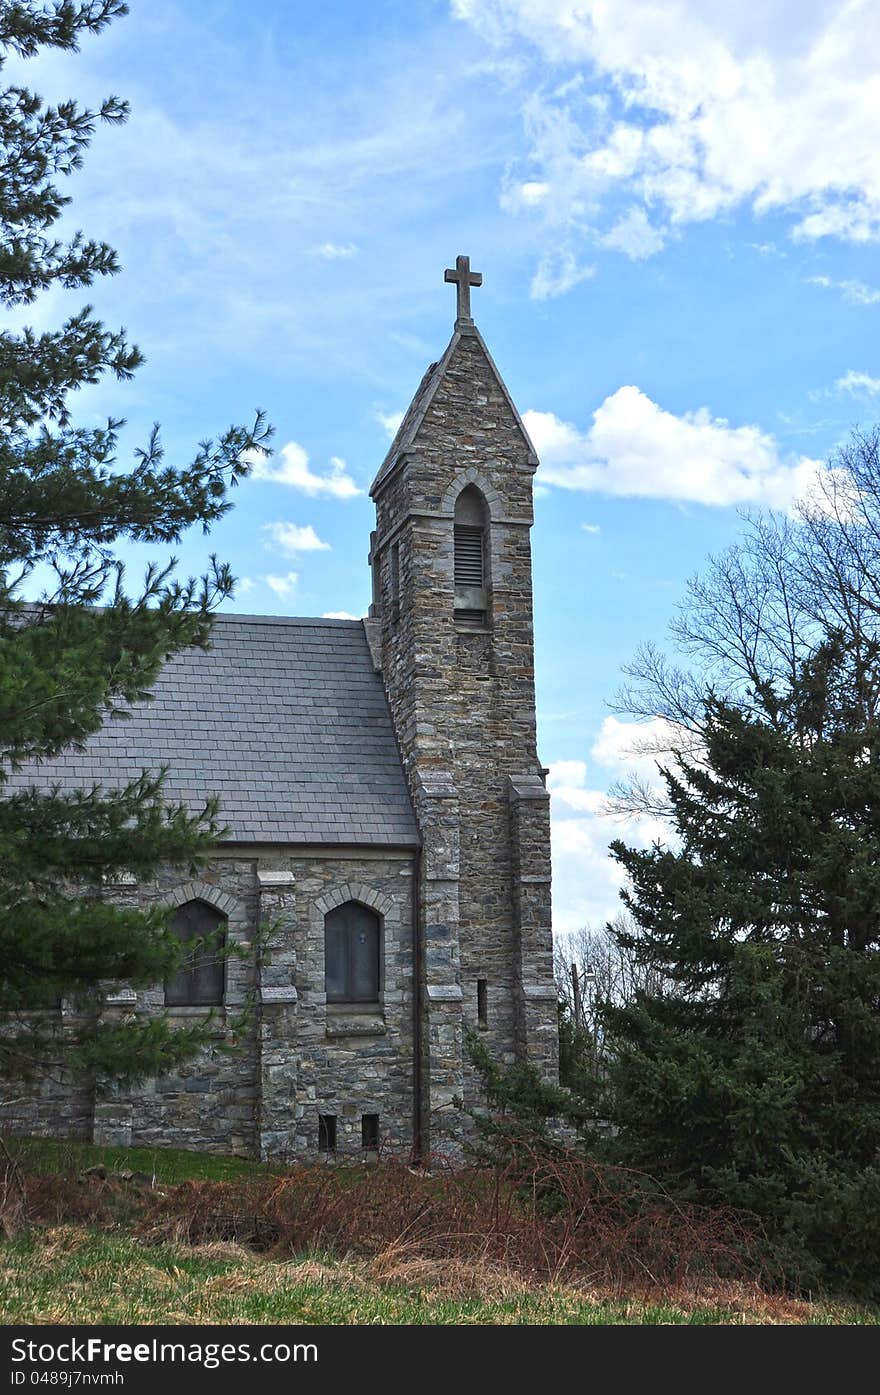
(351, 954)
(471, 562)
(200, 980)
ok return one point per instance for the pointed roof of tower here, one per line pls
(427, 389)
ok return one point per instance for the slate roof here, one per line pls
(285, 719)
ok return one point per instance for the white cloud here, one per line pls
(333, 251)
(856, 382)
(291, 467)
(634, 236)
(590, 528)
(389, 421)
(854, 292)
(282, 585)
(557, 273)
(635, 447)
(338, 615)
(245, 584)
(633, 747)
(586, 879)
(696, 109)
(291, 538)
(533, 192)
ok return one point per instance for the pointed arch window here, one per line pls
(201, 979)
(352, 934)
(470, 564)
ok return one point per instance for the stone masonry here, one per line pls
(463, 705)
(281, 1054)
(389, 763)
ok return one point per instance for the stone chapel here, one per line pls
(386, 874)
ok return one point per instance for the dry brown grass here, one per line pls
(71, 1274)
(572, 1223)
(567, 1233)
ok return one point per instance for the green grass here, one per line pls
(169, 1165)
(70, 1275)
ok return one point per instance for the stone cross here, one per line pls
(464, 278)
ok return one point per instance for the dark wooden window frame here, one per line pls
(201, 979)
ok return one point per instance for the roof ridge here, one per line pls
(229, 617)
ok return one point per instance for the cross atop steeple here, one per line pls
(464, 278)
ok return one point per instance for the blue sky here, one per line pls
(675, 205)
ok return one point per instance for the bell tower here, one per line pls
(451, 628)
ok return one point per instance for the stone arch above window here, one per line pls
(493, 501)
(353, 891)
(197, 890)
(470, 531)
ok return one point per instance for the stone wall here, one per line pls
(60, 1104)
(336, 1059)
(209, 1104)
(280, 1055)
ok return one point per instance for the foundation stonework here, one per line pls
(404, 780)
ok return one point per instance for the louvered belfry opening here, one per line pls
(470, 569)
(468, 555)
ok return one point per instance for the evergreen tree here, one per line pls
(747, 1071)
(89, 647)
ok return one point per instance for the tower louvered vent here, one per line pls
(470, 619)
(468, 555)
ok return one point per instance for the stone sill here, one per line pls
(355, 1024)
(273, 995)
(219, 1010)
(354, 1009)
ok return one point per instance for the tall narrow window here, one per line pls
(370, 1132)
(395, 582)
(470, 561)
(200, 980)
(482, 1003)
(326, 1133)
(351, 954)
